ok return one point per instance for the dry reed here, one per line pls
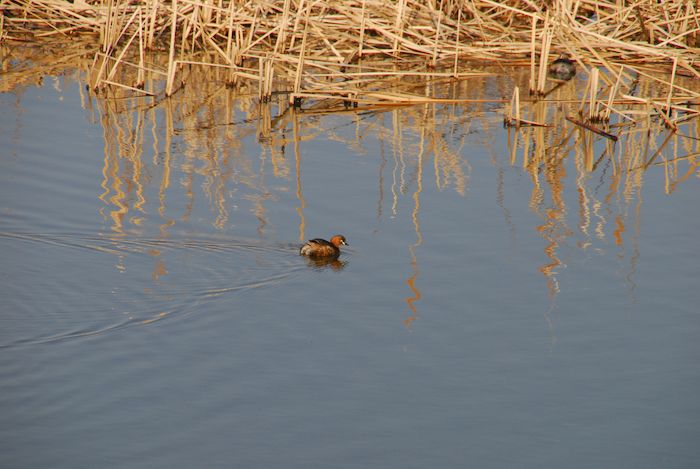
(316, 48)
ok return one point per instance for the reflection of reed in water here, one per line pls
(212, 152)
(195, 141)
(300, 196)
(411, 281)
(206, 126)
(609, 175)
(192, 146)
(122, 170)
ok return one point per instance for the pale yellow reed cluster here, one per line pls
(334, 48)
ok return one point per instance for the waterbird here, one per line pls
(321, 248)
(563, 68)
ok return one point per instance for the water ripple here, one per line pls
(75, 285)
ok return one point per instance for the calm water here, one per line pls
(499, 306)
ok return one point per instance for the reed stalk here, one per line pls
(305, 39)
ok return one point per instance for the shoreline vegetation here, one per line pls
(345, 53)
(316, 48)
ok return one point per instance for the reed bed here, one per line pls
(345, 50)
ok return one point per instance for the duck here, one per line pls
(321, 248)
(563, 68)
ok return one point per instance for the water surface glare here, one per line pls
(509, 298)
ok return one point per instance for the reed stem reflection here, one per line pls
(297, 160)
(164, 160)
(411, 281)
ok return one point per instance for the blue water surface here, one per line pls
(494, 308)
